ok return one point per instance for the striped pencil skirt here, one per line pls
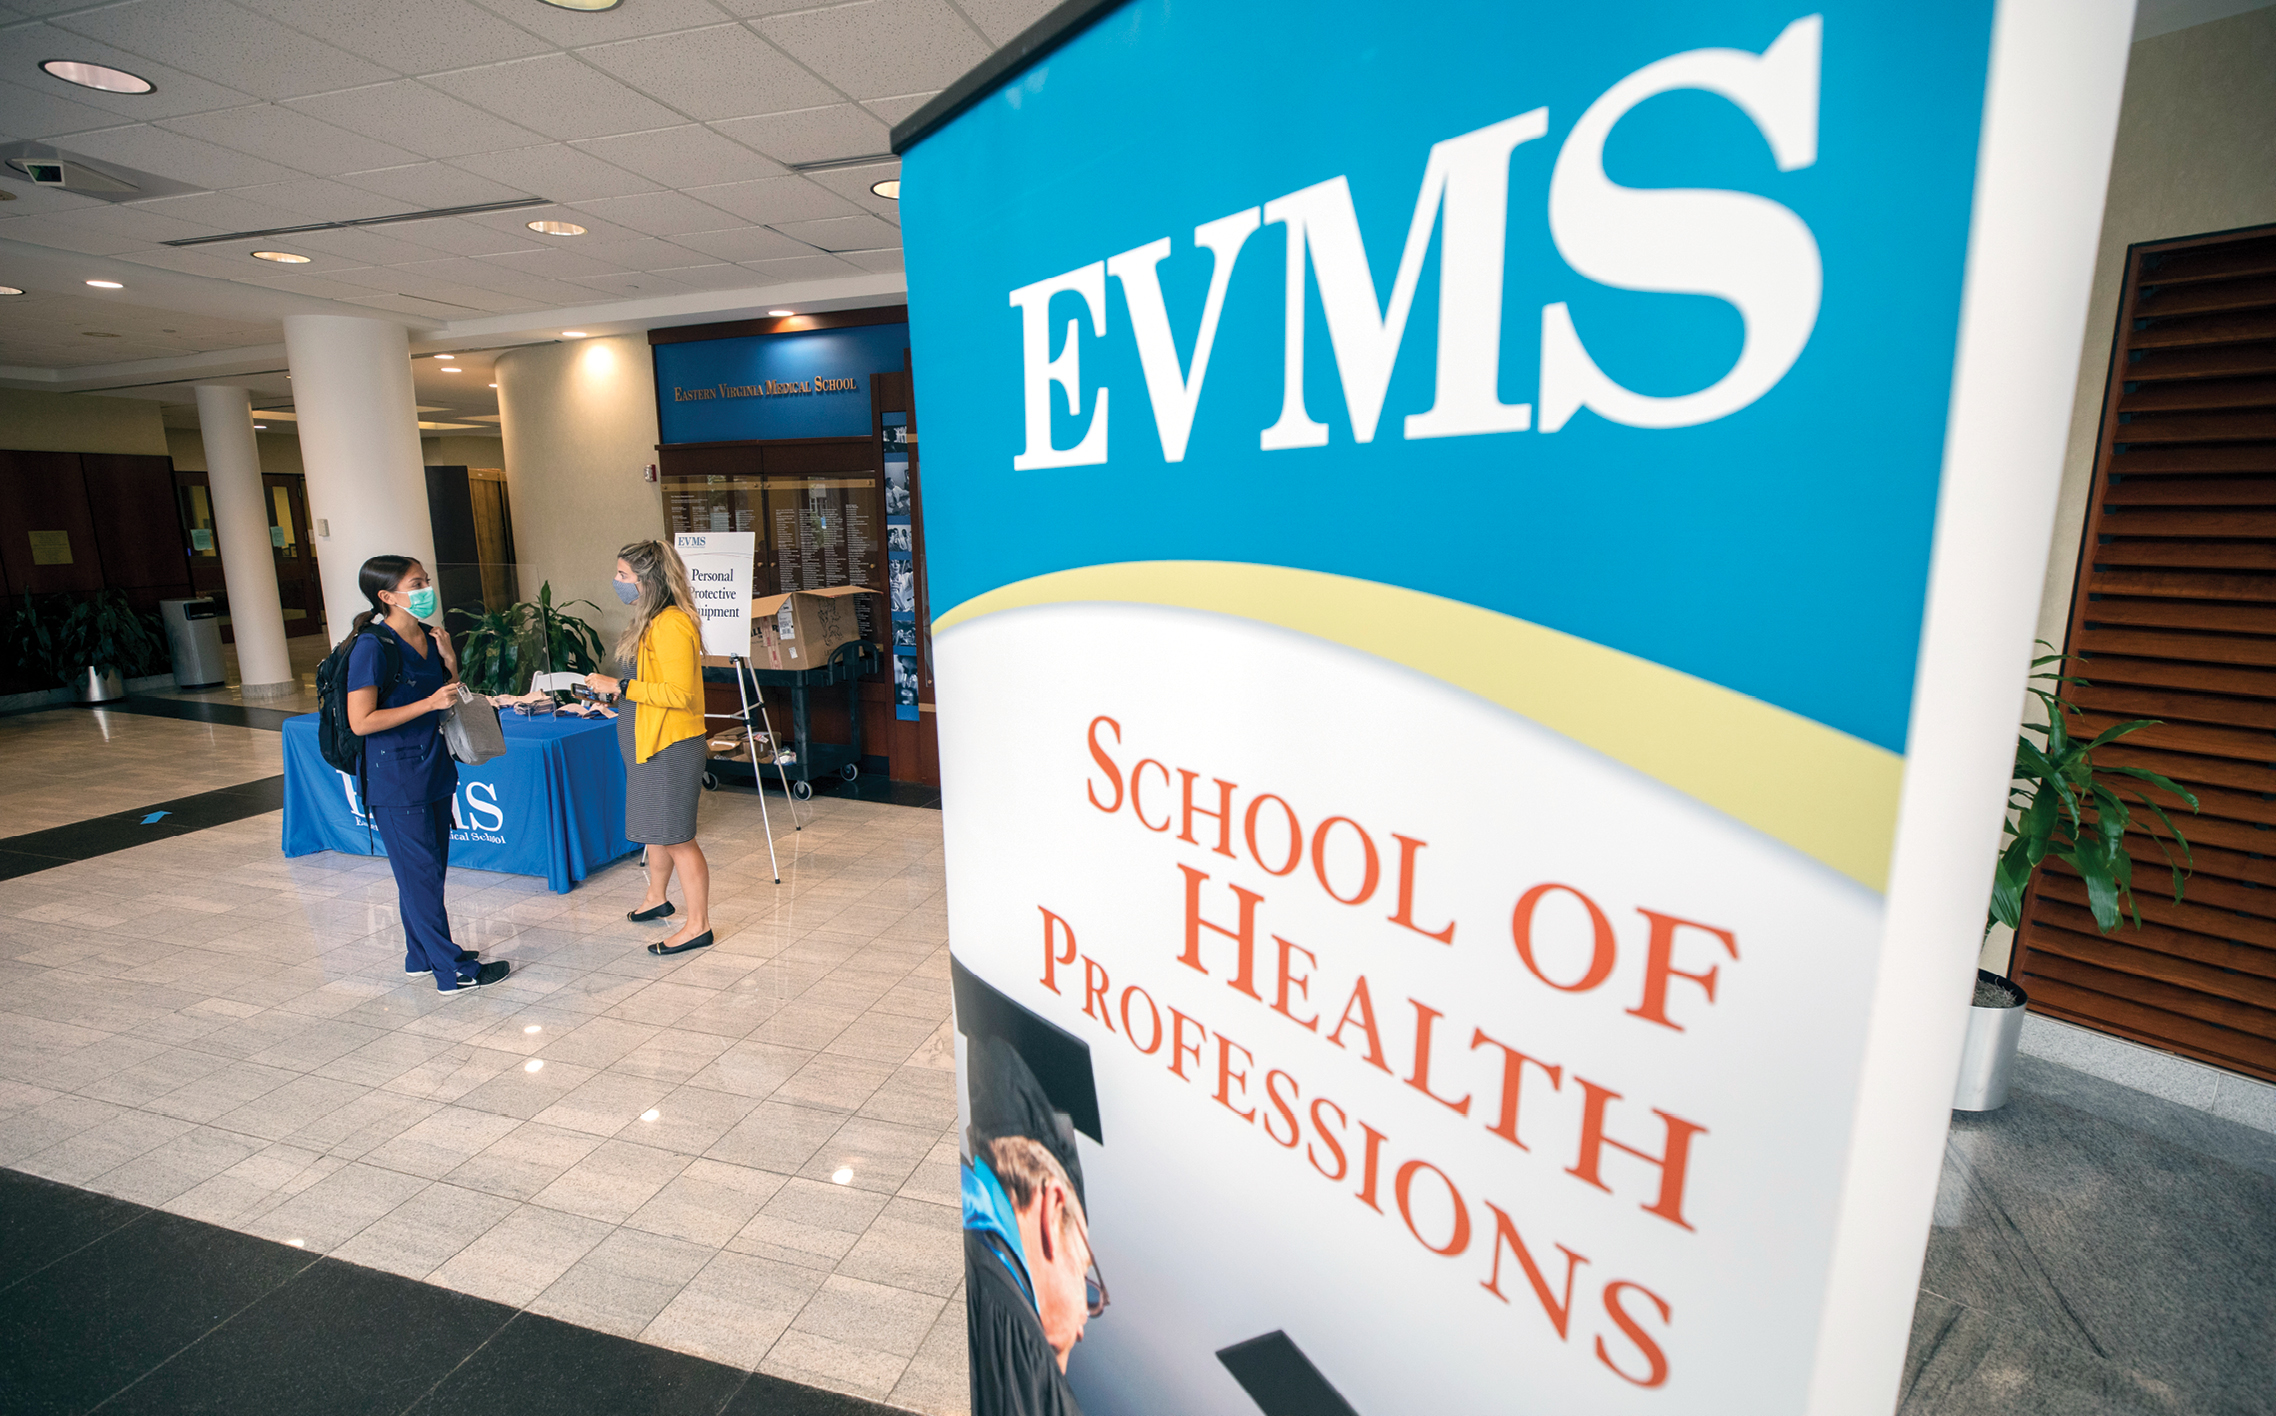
(660, 795)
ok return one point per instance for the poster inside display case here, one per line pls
(812, 532)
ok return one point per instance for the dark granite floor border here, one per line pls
(190, 710)
(100, 835)
(105, 1303)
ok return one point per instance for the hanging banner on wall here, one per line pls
(1434, 561)
(719, 575)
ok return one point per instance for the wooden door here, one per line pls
(2174, 618)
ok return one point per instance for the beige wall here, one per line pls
(280, 452)
(2196, 154)
(579, 424)
(31, 421)
(462, 450)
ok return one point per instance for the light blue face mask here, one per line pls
(421, 603)
(627, 591)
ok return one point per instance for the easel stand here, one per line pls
(743, 687)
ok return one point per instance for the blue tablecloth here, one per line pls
(552, 806)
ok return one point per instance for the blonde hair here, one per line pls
(663, 578)
(1023, 1167)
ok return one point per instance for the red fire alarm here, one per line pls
(648, 473)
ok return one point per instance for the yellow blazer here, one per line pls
(667, 684)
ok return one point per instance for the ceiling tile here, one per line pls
(414, 116)
(659, 213)
(558, 96)
(65, 233)
(714, 277)
(469, 236)
(900, 106)
(408, 36)
(638, 253)
(185, 159)
(569, 27)
(320, 199)
(314, 286)
(1003, 20)
(554, 265)
(752, 9)
(880, 47)
(194, 260)
(773, 200)
(427, 185)
(23, 48)
(744, 243)
(216, 40)
(854, 183)
(371, 245)
(558, 171)
(217, 211)
(31, 113)
(877, 262)
(844, 233)
(288, 136)
(439, 313)
(38, 201)
(597, 228)
(826, 134)
(632, 285)
(686, 156)
(798, 268)
(724, 72)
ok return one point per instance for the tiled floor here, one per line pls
(745, 1154)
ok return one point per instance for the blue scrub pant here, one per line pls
(418, 849)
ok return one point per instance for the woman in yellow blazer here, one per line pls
(660, 731)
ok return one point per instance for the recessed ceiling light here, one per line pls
(446, 358)
(493, 385)
(280, 257)
(890, 189)
(260, 427)
(96, 76)
(584, 4)
(557, 228)
(449, 370)
(106, 285)
(12, 290)
(782, 314)
(572, 334)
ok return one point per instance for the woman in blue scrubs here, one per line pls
(410, 775)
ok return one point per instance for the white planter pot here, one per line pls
(1987, 1061)
(97, 686)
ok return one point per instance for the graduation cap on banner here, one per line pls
(1026, 1076)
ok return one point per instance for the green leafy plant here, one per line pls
(31, 627)
(103, 631)
(2067, 807)
(504, 647)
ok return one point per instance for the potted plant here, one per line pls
(31, 665)
(2063, 806)
(504, 647)
(102, 643)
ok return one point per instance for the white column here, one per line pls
(359, 443)
(241, 524)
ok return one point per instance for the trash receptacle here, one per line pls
(193, 633)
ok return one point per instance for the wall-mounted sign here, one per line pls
(810, 384)
(1432, 544)
(51, 547)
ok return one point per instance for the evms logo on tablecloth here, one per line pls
(1429, 531)
(476, 814)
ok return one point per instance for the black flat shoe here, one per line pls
(643, 916)
(701, 941)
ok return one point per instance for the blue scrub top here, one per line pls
(407, 764)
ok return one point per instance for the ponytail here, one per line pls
(379, 573)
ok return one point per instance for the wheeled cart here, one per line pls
(802, 759)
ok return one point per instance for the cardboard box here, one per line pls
(801, 629)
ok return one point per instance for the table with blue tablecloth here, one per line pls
(552, 806)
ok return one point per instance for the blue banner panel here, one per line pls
(552, 806)
(1429, 521)
(812, 384)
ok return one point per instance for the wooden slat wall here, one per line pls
(2175, 617)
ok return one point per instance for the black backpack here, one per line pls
(335, 739)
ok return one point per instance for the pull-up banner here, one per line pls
(1485, 562)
